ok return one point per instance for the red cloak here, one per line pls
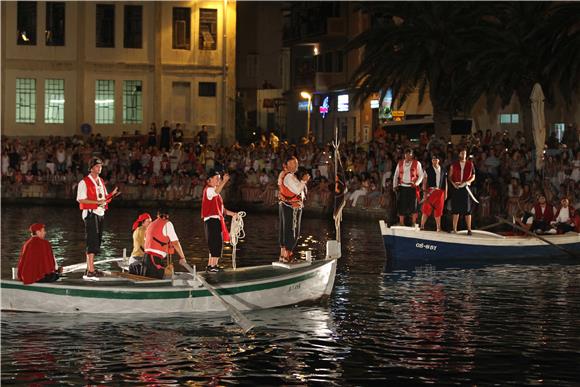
(36, 260)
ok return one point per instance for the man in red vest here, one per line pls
(160, 241)
(406, 180)
(291, 201)
(37, 263)
(212, 213)
(461, 175)
(564, 219)
(543, 214)
(93, 198)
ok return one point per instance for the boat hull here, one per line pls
(406, 244)
(285, 287)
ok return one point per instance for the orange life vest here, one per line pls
(155, 240)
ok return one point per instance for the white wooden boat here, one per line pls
(245, 289)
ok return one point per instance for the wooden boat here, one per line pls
(409, 244)
(245, 289)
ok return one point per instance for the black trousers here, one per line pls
(154, 266)
(94, 232)
(406, 200)
(213, 236)
(290, 219)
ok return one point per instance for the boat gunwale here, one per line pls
(229, 288)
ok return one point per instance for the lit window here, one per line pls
(207, 29)
(25, 100)
(26, 23)
(54, 101)
(509, 118)
(105, 102)
(132, 102)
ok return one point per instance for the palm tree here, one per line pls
(528, 42)
(420, 46)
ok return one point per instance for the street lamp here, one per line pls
(307, 96)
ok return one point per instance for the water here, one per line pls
(501, 324)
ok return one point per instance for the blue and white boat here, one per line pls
(409, 244)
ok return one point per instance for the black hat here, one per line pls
(96, 161)
(212, 173)
(435, 156)
(162, 213)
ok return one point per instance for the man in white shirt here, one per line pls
(564, 217)
(406, 181)
(93, 198)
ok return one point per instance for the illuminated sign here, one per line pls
(342, 103)
(303, 106)
(325, 107)
(374, 103)
(398, 115)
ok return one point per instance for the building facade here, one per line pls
(115, 67)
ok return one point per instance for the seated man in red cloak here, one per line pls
(37, 263)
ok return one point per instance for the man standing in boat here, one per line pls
(435, 191)
(461, 175)
(406, 181)
(160, 242)
(37, 262)
(212, 213)
(290, 203)
(93, 201)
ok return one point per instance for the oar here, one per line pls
(489, 226)
(517, 227)
(237, 316)
(83, 266)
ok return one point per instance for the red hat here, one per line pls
(143, 217)
(35, 227)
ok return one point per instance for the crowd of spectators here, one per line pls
(171, 167)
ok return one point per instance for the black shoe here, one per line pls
(214, 269)
(469, 232)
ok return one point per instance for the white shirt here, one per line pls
(210, 193)
(82, 194)
(296, 186)
(407, 174)
(168, 231)
(564, 215)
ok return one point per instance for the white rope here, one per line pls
(237, 233)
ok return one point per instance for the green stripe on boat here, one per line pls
(153, 293)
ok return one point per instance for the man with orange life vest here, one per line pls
(93, 198)
(160, 241)
(291, 201)
(406, 180)
(461, 175)
(435, 191)
(212, 212)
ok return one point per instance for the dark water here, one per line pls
(494, 325)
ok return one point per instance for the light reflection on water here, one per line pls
(499, 324)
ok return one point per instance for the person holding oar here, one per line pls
(160, 243)
(93, 200)
(212, 213)
(435, 191)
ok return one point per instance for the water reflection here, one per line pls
(501, 324)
